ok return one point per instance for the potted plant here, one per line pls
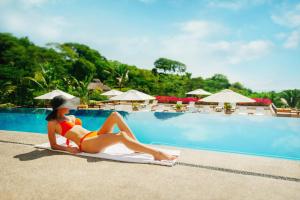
(178, 107)
(227, 108)
(135, 106)
(92, 103)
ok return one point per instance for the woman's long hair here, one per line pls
(52, 115)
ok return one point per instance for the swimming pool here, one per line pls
(255, 135)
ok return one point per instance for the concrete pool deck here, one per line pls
(30, 173)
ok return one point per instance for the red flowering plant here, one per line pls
(172, 99)
(263, 101)
(258, 102)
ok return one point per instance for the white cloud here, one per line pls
(191, 44)
(234, 4)
(247, 51)
(41, 27)
(201, 28)
(293, 40)
(290, 18)
(200, 44)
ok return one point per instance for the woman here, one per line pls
(95, 141)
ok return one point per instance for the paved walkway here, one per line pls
(29, 173)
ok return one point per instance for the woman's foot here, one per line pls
(163, 156)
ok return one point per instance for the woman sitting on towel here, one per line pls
(92, 141)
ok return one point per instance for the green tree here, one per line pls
(88, 58)
(291, 97)
(195, 83)
(44, 79)
(216, 83)
(80, 88)
(166, 65)
(82, 68)
(120, 73)
(26, 70)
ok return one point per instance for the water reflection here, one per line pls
(166, 115)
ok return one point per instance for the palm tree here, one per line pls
(80, 88)
(8, 88)
(121, 75)
(291, 98)
(44, 79)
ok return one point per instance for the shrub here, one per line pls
(135, 106)
(92, 102)
(227, 106)
(178, 107)
(263, 101)
(7, 105)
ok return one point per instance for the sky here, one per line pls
(255, 42)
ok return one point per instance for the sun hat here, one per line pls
(59, 102)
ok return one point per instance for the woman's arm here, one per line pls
(73, 118)
(52, 140)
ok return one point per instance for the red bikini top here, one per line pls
(67, 125)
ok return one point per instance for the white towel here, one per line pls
(118, 152)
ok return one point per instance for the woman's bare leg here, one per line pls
(116, 118)
(105, 140)
(123, 125)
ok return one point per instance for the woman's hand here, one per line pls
(73, 150)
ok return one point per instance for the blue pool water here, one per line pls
(256, 135)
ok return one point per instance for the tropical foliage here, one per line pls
(28, 70)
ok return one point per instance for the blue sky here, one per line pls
(255, 42)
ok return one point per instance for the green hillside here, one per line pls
(28, 70)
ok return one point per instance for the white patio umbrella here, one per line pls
(55, 93)
(112, 93)
(132, 95)
(199, 92)
(227, 96)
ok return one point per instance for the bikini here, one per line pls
(67, 125)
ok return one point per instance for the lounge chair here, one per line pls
(154, 103)
(143, 105)
(205, 109)
(233, 107)
(220, 106)
(159, 108)
(191, 107)
(147, 108)
(124, 107)
(82, 106)
(108, 106)
(243, 110)
(259, 111)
